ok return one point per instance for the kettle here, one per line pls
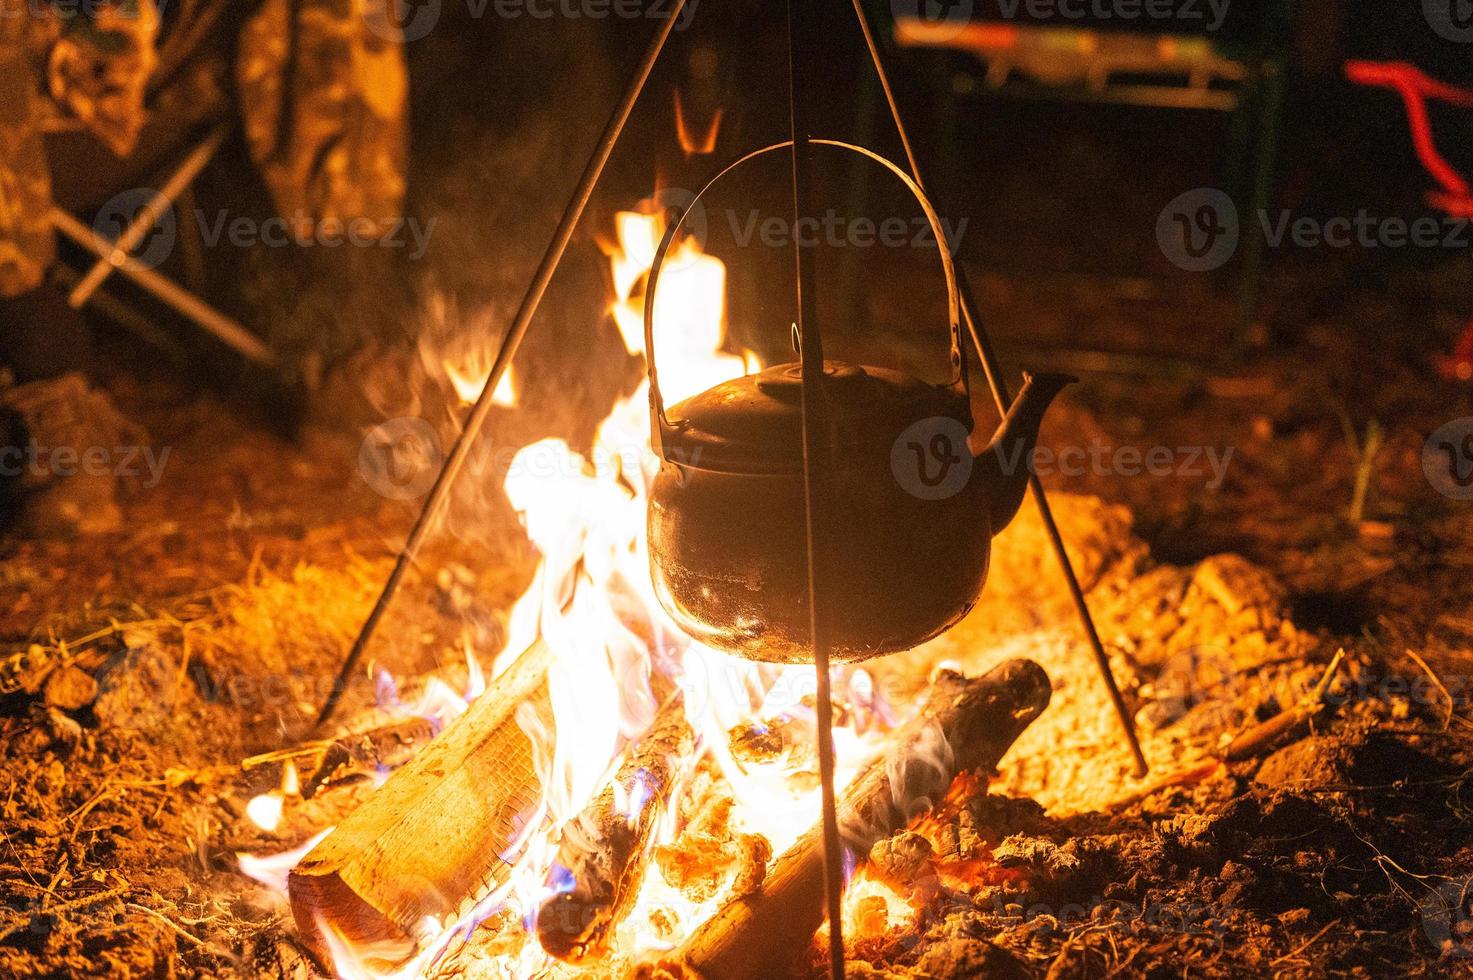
(906, 515)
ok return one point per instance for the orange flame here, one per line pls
(693, 144)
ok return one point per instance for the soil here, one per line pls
(210, 627)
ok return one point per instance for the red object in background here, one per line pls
(1415, 87)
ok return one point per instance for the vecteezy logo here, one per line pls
(930, 459)
(406, 20)
(1451, 19)
(944, 19)
(1198, 230)
(1447, 459)
(400, 458)
(124, 210)
(1447, 918)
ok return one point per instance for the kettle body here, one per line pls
(901, 558)
(729, 560)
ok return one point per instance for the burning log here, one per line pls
(757, 935)
(601, 862)
(430, 841)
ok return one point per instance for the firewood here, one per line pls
(429, 842)
(980, 718)
(605, 849)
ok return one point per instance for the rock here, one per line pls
(1003, 816)
(138, 687)
(63, 729)
(1189, 833)
(1348, 760)
(70, 688)
(51, 780)
(70, 419)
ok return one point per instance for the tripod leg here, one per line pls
(551, 258)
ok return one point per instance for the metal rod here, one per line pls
(162, 288)
(551, 259)
(124, 315)
(992, 368)
(149, 216)
(805, 27)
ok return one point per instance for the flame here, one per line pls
(272, 870)
(267, 809)
(690, 308)
(592, 602)
(460, 348)
(470, 380)
(693, 144)
(291, 782)
(872, 908)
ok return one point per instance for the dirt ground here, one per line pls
(147, 665)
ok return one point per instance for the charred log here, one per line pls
(967, 724)
(605, 850)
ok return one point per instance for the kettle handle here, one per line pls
(953, 291)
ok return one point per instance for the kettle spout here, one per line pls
(1005, 463)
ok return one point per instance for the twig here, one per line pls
(1247, 744)
(76, 904)
(1365, 452)
(1260, 737)
(1437, 682)
(315, 747)
(81, 812)
(178, 929)
(1184, 777)
(1312, 940)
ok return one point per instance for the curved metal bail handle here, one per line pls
(660, 422)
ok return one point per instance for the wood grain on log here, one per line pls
(980, 718)
(604, 851)
(430, 841)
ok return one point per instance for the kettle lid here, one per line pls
(754, 424)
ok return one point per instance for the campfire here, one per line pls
(616, 792)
